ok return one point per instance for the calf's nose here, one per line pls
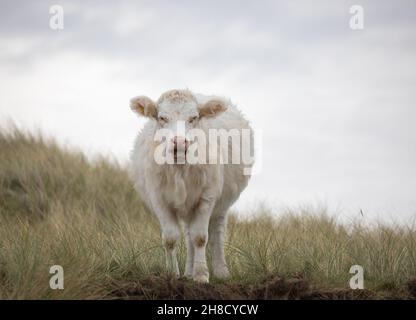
(180, 142)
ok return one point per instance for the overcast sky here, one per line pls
(336, 106)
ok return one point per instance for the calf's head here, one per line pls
(176, 111)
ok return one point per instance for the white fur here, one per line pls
(197, 195)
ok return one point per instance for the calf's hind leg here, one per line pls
(189, 253)
(217, 227)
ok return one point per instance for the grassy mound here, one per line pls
(58, 208)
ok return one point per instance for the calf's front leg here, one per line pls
(171, 234)
(198, 238)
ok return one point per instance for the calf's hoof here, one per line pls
(201, 278)
(173, 274)
(201, 274)
(221, 272)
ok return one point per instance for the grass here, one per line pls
(58, 208)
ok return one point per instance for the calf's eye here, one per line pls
(192, 119)
(163, 119)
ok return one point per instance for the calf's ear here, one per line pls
(144, 106)
(212, 108)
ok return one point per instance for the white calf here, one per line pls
(197, 194)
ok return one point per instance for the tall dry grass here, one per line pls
(56, 207)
